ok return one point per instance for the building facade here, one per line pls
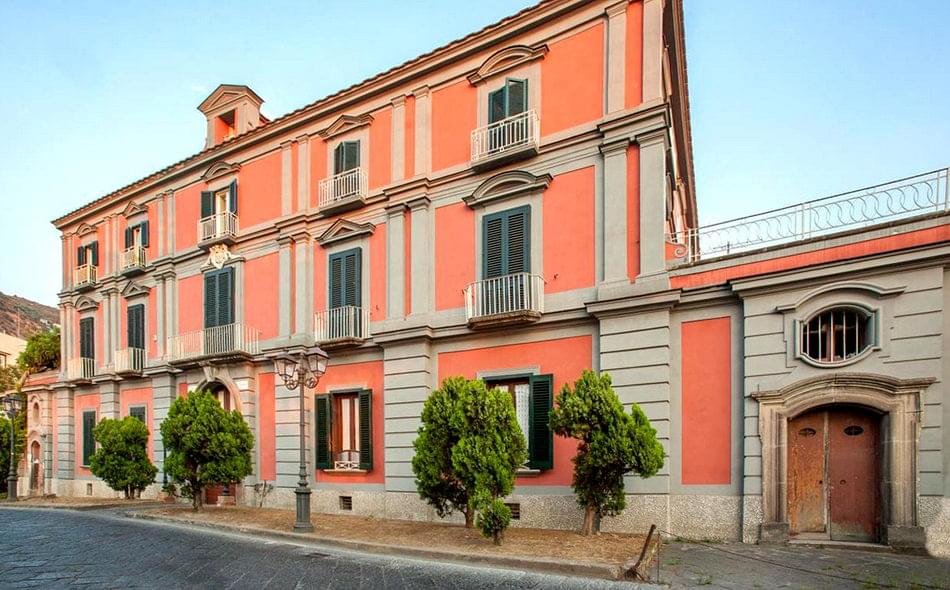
(515, 206)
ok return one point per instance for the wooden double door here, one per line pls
(834, 474)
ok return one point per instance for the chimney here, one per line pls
(231, 110)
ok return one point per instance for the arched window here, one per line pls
(837, 334)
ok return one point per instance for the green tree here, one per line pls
(489, 452)
(122, 459)
(19, 426)
(436, 480)
(206, 445)
(41, 352)
(612, 444)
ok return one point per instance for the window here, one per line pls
(138, 412)
(837, 334)
(346, 156)
(137, 235)
(87, 338)
(88, 254)
(532, 397)
(88, 440)
(508, 101)
(345, 278)
(506, 242)
(135, 319)
(344, 430)
(219, 298)
(220, 201)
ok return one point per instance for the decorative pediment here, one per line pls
(86, 303)
(227, 94)
(219, 169)
(84, 229)
(344, 124)
(133, 289)
(343, 229)
(870, 289)
(133, 209)
(507, 184)
(506, 59)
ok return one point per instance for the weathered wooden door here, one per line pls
(834, 474)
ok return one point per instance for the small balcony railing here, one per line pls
(133, 258)
(129, 360)
(341, 324)
(891, 201)
(80, 368)
(344, 187)
(85, 275)
(516, 133)
(514, 297)
(347, 461)
(231, 339)
(219, 226)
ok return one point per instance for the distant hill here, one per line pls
(21, 317)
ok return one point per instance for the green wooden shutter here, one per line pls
(225, 296)
(493, 252)
(94, 248)
(80, 256)
(506, 242)
(323, 431)
(540, 437)
(366, 429)
(233, 197)
(207, 204)
(88, 440)
(211, 300)
(345, 278)
(518, 241)
(517, 96)
(497, 105)
(338, 158)
(143, 234)
(87, 340)
(138, 412)
(135, 318)
(335, 281)
(128, 238)
(351, 155)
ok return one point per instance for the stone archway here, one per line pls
(228, 395)
(897, 400)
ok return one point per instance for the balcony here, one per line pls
(341, 326)
(346, 461)
(85, 276)
(80, 369)
(506, 141)
(133, 260)
(220, 228)
(129, 361)
(874, 205)
(220, 342)
(343, 191)
(510, 299)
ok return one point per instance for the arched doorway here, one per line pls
(36, 468)
(221, 494)
(834, 474)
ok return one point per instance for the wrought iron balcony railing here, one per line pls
(520, 295)
(349, 185)
(512, 134)
(218, 226)
(347, 323)
(129, 360)
(895, 200)
(228, 340)
(85, 275)
(80, 368)
(133, 258)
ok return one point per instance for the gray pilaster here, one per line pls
(287, 432)
(170, 226)
(395, 261)
(239, 280)
(652, 203)
(422, 132)
(160, 316)
(109, 400)
(248, 394)
(407, 379)
(652, 50)
(616, 54)
(398, 162)
(304, 284)
(104, 356)
(284, 295)
(163, 394)
(422, 255)
(160, 229)
(66, 432)
(615, 211)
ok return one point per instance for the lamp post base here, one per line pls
(303, 524)
(11, 489)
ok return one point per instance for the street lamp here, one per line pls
(302, 370)
(11, 405)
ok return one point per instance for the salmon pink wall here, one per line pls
(140, 397)
(410, 157)
(260, 302)
(633, 66)
(377, 274)
(569, 231)
(707, 401)
(380, 148)
(267, 442)
(182, 390)
(564, 358)
(454, 254)
(454, 116)
(319, 277)
(190, 304)
(370, 376)
(187, 212)
(318, 169)
(259, 190)
(81, 403)
(633, 211)
(572, 81)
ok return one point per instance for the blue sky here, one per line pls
(790, 100)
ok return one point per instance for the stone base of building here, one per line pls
(773, 533)
(934, 516)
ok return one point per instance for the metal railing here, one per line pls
(507, 294)
(129, 360)
(347, 461)
(515, 132)
(351, 183)
(219, 340)
(898, 199)
(341, 323)
(219, 225)
(85, 275)
(133, 257)
(80, 368)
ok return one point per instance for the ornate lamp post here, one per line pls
(11, 405)
(302, 370)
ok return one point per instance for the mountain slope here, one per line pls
(22, 317)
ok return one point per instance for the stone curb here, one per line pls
(548, 566)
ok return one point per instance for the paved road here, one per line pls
(66, 549)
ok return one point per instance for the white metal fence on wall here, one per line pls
(228, 339)
(506, 294)
(339, 323)
(517, 131)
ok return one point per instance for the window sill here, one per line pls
(345, 471)
(526, 472)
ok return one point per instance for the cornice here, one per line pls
(507, 185)
(505, 60)
(219, 169)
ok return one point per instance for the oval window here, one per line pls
(853, 430)
(835, 335)
(806, 432)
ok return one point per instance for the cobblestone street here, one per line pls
(67, 549)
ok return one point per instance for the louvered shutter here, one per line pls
(517, 241)
(88, 440)
(211, 300)
(335, 294)
(225, 296)
(143, 234)
(138, 412)
(136, 326)
(366, 429)
(207, 204)
(323, 431)
(494, 251)
(540, 437)
(351, 277)
(497, 105)
(338, 158)
(517, 96)
(87, 333)
(233, 197)
(94, 248)
(80, 256)
(351, 155)
(507, 238)
(128, 238)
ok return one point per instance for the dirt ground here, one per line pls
(610, 548)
